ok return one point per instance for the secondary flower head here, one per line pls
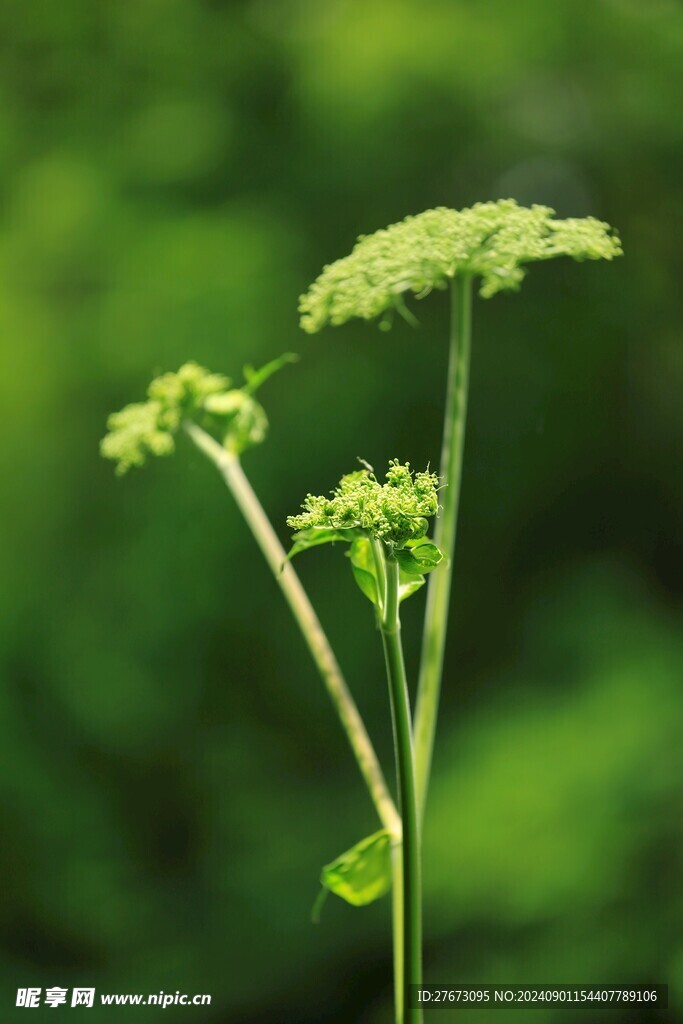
(491, 241)
(148, 428)
(394, 512)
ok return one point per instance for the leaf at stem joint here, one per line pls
(361, 874)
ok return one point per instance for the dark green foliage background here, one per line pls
(173, 174)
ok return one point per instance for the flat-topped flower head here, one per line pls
(491, 241)
(148, 428)
(395, 512)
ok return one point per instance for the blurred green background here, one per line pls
(173, 174)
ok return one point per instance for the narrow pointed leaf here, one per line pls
(255, 378)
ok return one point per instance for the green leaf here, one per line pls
(425, 551)
(408, 585)
(367, 583)
(420, 557)
(315, 535)
(255, 378)
(363, 566)
(363, 873)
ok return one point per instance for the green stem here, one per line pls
(231, 470)
(397, 926)
(438, 596)
(377, 549)
(403, 743)
(397, 920)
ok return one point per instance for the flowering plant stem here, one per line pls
(407, 911)
(230, 468)
(438, 595)
(384, 524)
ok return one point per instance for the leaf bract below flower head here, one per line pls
(193, 394)
(395, 512)
(363, 873)
(492, 241)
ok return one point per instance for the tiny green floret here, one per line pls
(190, 395)
(394, 512)
(491, 241)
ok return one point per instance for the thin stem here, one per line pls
(397, 902)
(403, 742)
(231, 470)
(380, 573)
(438, 596)
(397, 927)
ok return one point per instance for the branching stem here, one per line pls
(287, 579)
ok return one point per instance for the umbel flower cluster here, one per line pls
(394, 512)
(148, 428)
(491, 241)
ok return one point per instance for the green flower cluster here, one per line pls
(233, 414)
(490, 240)
(394, 512)
(147, 428)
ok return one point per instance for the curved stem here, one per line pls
(438, 595)
(231, 470)
(403, 742)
